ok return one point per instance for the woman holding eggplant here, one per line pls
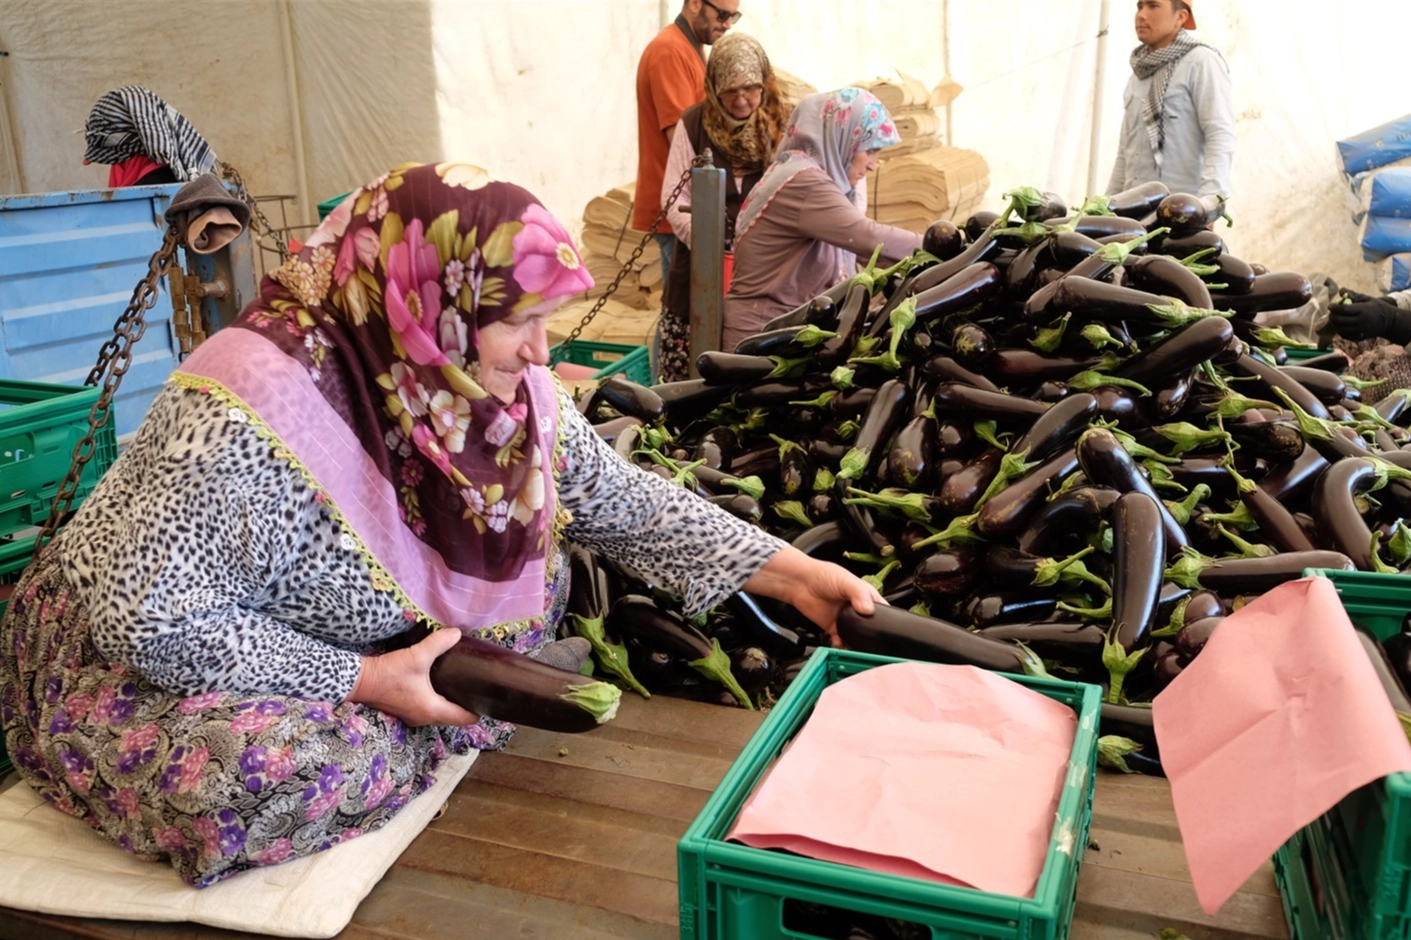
(741, 120)
(803, 227)
(227, 659)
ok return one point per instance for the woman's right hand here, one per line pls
(399, 683)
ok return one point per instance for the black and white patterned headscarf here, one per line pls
(131, 120)
(1157, 64)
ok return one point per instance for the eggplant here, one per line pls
(1107, 463)
(762, 628)
(1164, 275)
(860, 521)
(1289, 481)
(826, 537)
(796, 469)
(638, 617)
(740, 506)
(722, 368)
(1233, 576)
(1139, 201)
(1139, 555)
(983, 611)
(1061, 526)
(1009, 567)
(1235, 273)
(1088, 299)
(490, 680)
(852, 317)
(1171, 398)
(962, 490)
(1101, 226)
(1006, 512)
(1386, 675)
(1180, 352)
(890, 631)
(761, 462)
(1335, 361)
(965, 289)
(1272, 377)
(971, 345)
(1026, 367)
(717, 448)
(781, 392)
(1284, 290)
(1185, 214)
(885, 413)
(1278, 442)
(978, 224)
(1334, 508)
(683, 401)
(946, 573)
(1077, 645)
(1195, 634)
(629, 398)
(1328, 387)
(946, 369)
(943, 239)
(609, 431)
(1183, 247)
(1128, 721)
(751, 667)
(1275, 521)
(979, 405)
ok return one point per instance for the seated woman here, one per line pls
(375, 445)
(803, 227)
(741, 120)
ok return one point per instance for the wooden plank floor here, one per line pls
(581, 846)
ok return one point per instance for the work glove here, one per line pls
(1356, 296)
(1371, 319)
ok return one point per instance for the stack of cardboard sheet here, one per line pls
(921, 180)
(614, 323)
(608, 242)
(792, 89)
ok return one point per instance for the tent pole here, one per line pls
(945, 62)
(1100, 75)
(296, 114)
(7, 132)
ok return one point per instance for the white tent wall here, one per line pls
(541, 91)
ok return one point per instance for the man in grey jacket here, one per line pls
(1178, 123)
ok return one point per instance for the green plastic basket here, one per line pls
(39, 426)
(328, 205)
(733, 892)
(631, 362)
(1348, 873)
(1298, 354)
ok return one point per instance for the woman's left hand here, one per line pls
(818, 589)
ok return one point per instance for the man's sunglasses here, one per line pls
(729, 19)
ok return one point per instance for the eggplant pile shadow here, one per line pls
(1056, 441)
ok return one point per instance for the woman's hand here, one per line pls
(818, 589)
(399, 683)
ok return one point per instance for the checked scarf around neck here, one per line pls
(1157, 65)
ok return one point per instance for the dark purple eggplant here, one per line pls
(1007, 566)
(1234, 273)
(1275, 441)
(1205, 241)
(1335, 361)
(487, 679)
(1006, 513)
(990, 610)
(979, 223)
(1139, 561)
(965, 289)
(1276, 523)
(1185, 214)
(684, 401)
(885, 413)
(740, 506)
(853, 403)
(1129, 721)
(1289, 481)
(782, 391)
(751, 667)
(640, 618)
(1076, 645)
(609, 431)
(1101, 226)
(1283, 290)
(762, 628)
(971, 345)
(1195, 634)
(1018, 367)
(717, 448)
(1165, 668)
(826, 537)
(1088, 299)
(980, 405)
(852, 317)
(1329, 387)
(1233, 576)
(1334, 508)
(1107, 463)
(1061, 526)
(890, 631)
(1272, 377)
(943, 239)
(722, 368)
(1164, 275)
(629, 398)
(961, 491)
(821, 310)
(1139, 201)
(762, 462)
(796, 469)
(1180, 352)
(946, 369)
(861, 522)
(946, 573)
(1195, 605)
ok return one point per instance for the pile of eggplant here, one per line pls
(1057, 442)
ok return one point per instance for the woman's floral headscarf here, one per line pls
(360, 357)
(827, 130)
(747, 146)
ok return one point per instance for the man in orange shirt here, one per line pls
(671, 78)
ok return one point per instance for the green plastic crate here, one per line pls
(632, 362)
(328, 205)
(1298, 354)
(39, 426)
(1357, 856)
(733, 892)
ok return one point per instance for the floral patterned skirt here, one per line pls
(674, 347)
(214, 783)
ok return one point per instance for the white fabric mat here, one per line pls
(55, 864)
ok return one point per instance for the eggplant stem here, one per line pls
(1246, 548)
(1181, 511)
(599, 699)
(841, 377)
(880, 578)
(1011, 467)
(1090, 379)
(1379, 566)
(960, 529)
(1118, 662)
(986, 431)
(716, 666)
(911, 505)
(611, 656)
(751, 486)
(822, 401)
(1186, 571)
(1118, 252)
(793, 510)
(1112, 751)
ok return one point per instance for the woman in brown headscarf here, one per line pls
(741, 120)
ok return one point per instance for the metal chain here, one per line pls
(114, 359)
(702, 159)
(265, 227)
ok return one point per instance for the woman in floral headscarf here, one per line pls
(213, 662)
(741, 120)
(803, 226)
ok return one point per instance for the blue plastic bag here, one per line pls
(1383, 236)
(1376, 147)
(1394, 273)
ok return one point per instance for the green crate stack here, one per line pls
(631, 362)
(733, 892)
(39, 426)
(1299, 354)
(1347, 875)
(328, 205)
